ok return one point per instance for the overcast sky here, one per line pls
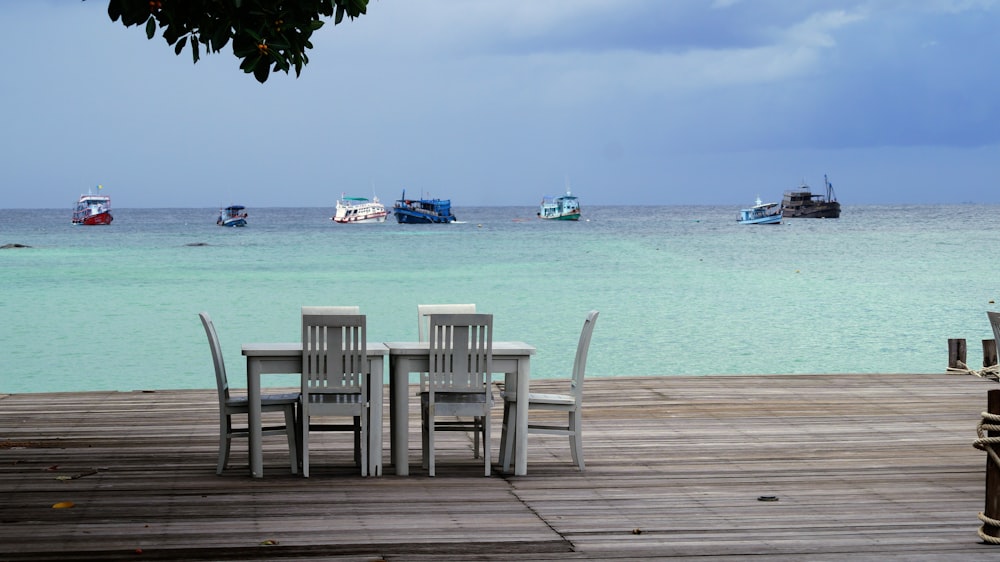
(491, 102)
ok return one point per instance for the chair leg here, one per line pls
(477, 426)
(486, 441)
(576, 439)
(305, 445)
(358, 430)
(361, 443)
(503, 433)
(225, 431)
(507, 443)
(430, 441)
(423, 436)
(292, 433)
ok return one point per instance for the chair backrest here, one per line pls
(221, 382)
(461, 353)
(334, 351)
(320, 310)
(580, 362)
(424, 312)
(995, 323)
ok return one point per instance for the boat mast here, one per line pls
(829, 189)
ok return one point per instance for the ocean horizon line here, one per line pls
(511, 206)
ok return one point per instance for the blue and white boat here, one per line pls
(562, 208)
(233, 215)
(422, 211)
(761, 213)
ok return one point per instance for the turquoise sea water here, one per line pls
(681, 290)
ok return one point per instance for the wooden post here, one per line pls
(992, 509)
(989, 353)
(956, 353)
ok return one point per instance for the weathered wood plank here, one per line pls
(862, 466)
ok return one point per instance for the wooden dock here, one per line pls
(829, 467)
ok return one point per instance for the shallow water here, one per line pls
(681, 290)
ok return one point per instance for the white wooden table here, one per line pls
(286, 358)
(511, 358)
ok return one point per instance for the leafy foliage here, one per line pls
(266, 34)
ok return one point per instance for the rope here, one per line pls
(990, 422)
(992, 372)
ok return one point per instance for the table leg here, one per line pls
(521, 419)
(399, 414)
(256, 452)
(375, 383)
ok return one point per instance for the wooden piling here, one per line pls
(989, 353)
(992, 509)
(956, 353)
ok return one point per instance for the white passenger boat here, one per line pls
(359, 210)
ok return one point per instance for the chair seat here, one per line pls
(457, 397)
(554, 399)
(266, 400)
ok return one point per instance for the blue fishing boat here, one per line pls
(761, 213)
(422, 211)
(233, 215)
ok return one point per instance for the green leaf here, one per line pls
(195, 51)
(180, 45)
(261, 72)
(114, 11)
(150, 27)
(219, 38)
(250, 63)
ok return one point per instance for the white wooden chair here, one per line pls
(334, 377)
(458, 381)
(230, 405)
(424, 312)
(995, 324)
(571, 404)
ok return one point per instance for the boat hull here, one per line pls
(776, 219)
(818, 211)
(361, 220)
(410, 217)
(234, 222)
(566, 217)
(95, 220)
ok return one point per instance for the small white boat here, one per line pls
(233, 215)
(359, 210)
(761, 213)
